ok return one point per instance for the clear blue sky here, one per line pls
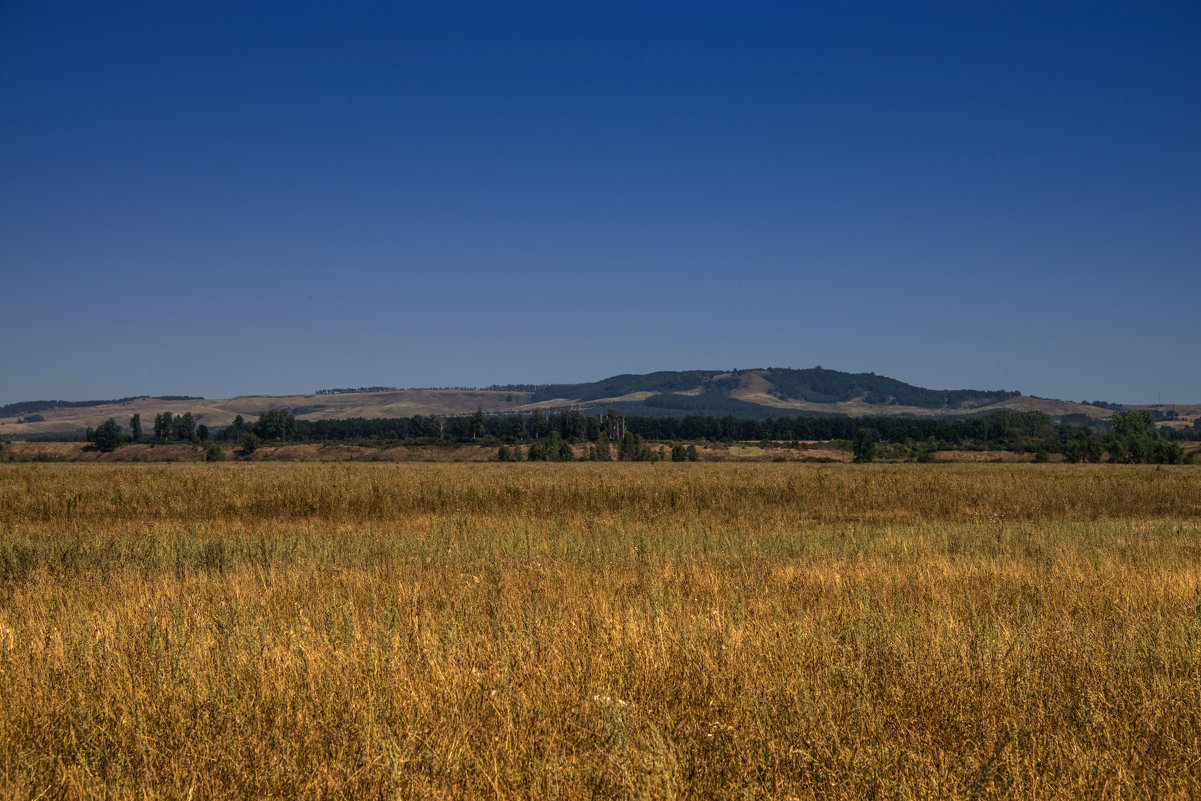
(219, 198)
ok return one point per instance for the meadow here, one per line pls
(599, 630)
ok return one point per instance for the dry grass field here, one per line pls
(599, 631)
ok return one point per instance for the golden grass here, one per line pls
(703, 630)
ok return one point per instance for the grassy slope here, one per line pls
(222, 412)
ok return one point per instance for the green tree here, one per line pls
(1165, 452)
(550, 449)
(865, 445)
(184, 427)
(135, 428)
(1133, 425)
(275, 424)
(633, 449)
(1135, 440)
(574, 425)
(614, 425)
(106, 437)
(163, 426)
(248, 444)
(604, 452)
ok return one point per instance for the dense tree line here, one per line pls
(353, 390)
(512, 387)
(1133, 437)
(831, 386)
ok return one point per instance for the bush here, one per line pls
(248, 444)
(633, 449)
(550, 450)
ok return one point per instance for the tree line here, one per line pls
(1131, 438)
(167, 427)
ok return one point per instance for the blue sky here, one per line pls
(229, 198)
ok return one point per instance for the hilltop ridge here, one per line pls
(753, 393)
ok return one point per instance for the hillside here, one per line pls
(759, 393)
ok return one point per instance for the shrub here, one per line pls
(248, 444)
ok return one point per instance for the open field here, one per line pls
(599, 631)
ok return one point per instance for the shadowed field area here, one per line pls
(600, 631)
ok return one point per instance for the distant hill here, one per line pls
(814, 385)
(759, 393)
(33, 407)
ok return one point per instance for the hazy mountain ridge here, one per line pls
(752, 393)
(34, 407)
(814, 385)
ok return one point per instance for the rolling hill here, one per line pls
(759, 393)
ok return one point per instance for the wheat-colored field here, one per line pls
(599, 631)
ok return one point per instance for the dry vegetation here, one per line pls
(575, 630)
(451, 452)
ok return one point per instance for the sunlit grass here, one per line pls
(600, 631)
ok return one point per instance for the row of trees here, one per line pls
(551, 435)
(167, 428)
(1131, 438)
(998, 430)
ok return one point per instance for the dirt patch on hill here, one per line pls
(758, 453)
(316, 452)
(84, 452)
